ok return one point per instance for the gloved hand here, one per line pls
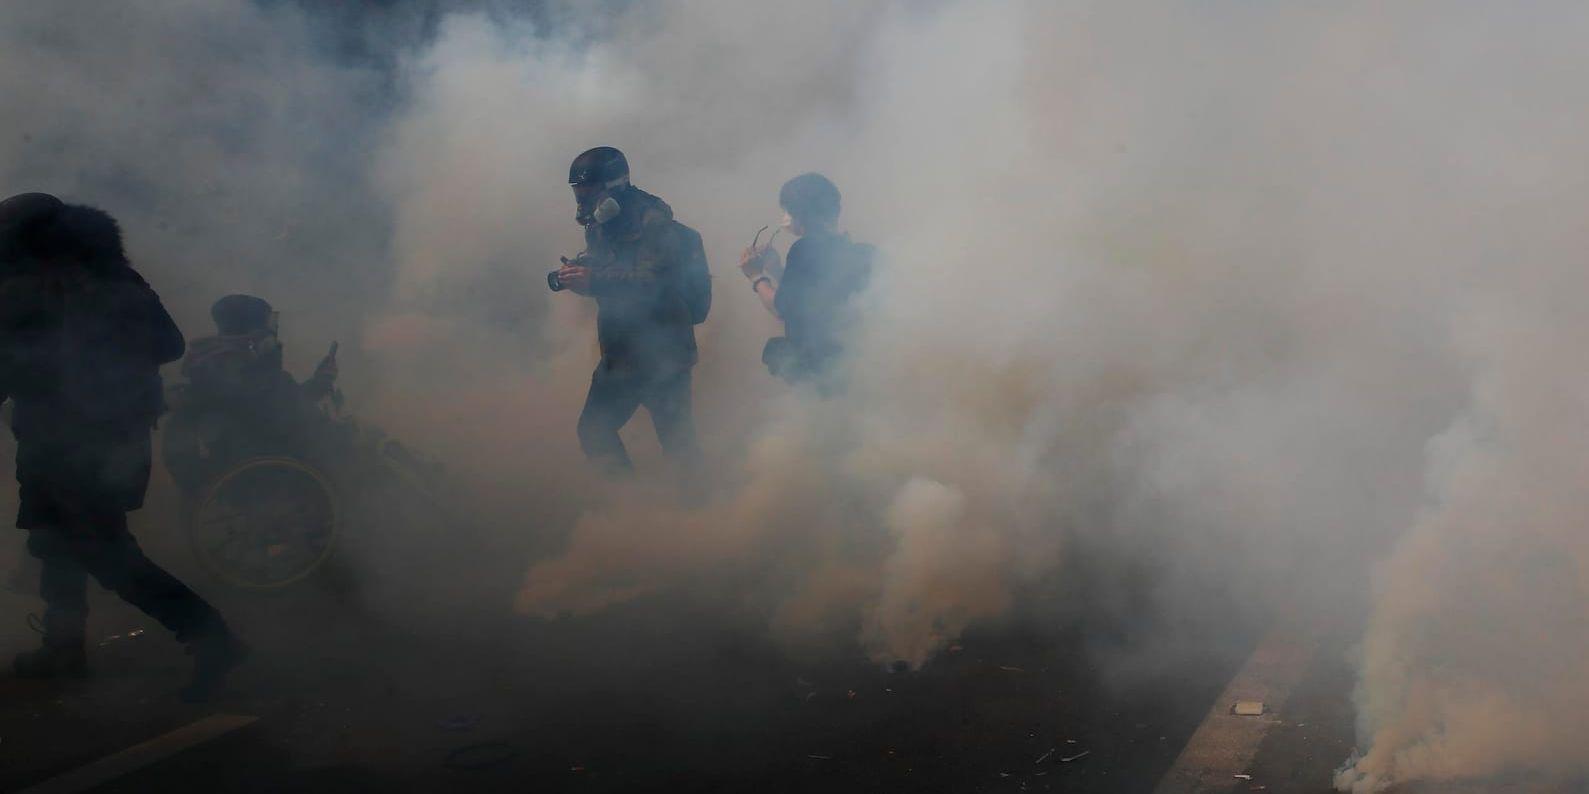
(755, 262)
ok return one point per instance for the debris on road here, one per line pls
(1008, 669)
(131, 635)
(1248, 708)
(820, 757)
(1242, 777)
(1044, 756)
(1076, 757)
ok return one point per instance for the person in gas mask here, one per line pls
(239, 400)
(814, 292)
(82, 337)
(648, 275)
(247, 349)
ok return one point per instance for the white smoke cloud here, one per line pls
(1251, 295)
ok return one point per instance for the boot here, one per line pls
(61, 656)
(214, 655)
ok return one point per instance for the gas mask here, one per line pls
(267, 348)
(606, 210)
(267, 344)
(598, 208)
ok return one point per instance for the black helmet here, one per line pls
(812, 198)
(241, 314)
(602, 165)
(24, 209)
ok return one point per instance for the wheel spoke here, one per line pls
(266, 523)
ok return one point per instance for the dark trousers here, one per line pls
(98, 543)
(612, 401)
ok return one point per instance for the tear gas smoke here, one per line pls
(1249, 296)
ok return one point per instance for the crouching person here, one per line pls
(82, 337)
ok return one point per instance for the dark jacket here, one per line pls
(82, 337)
(822, 275)
(239, 402)
(642, 321)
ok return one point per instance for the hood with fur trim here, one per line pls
(39, 229)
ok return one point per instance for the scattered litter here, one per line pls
(1044, 756)
(1076, 757)
(821, 757)
(851, 695)
(481, 755)
(810, 695)
(956, 648)
(131, 635)
(462, 722)
(576, 768)
(1004, 774)
(1008, 669)
(1242, 777)
(804, 684)
(1038, 774)
(1070, 741)
(1248, 708)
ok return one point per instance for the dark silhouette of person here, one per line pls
(82, 336)
(637, 265)
(239, 401)
(814, 292)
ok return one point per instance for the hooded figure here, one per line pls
(82, 337)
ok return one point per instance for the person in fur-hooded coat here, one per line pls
(82, 337)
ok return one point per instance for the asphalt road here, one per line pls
(666, 695)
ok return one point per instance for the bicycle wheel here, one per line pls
(265, 523)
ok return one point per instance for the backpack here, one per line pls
(694, 276)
